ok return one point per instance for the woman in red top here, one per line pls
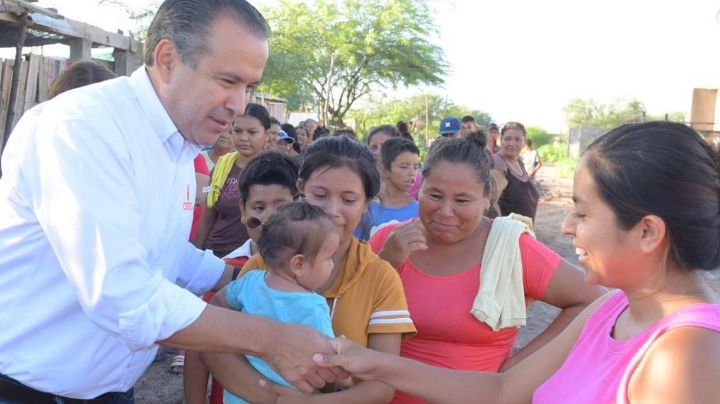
(438, 258)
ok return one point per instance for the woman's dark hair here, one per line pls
(258, 112)
(387, 129)
(292, 132)
(349, 132)
(468, 150)
(664, 169)
(404, 130)
(320, 132)
(341, 151)
(294, 228)
(393, 147)
(274, 121)
(79, 74)
(188, 24)
(270, 168)
(513, 125)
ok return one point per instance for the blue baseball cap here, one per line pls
(284, 136)
(449, 124)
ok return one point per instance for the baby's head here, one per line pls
(298, 242)
(268, 181)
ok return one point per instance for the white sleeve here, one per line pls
(82, 192)
(200, 270)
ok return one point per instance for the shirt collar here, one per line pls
(157, 115)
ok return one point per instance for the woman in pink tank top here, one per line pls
(646, 221)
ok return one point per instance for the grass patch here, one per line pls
(557, 153)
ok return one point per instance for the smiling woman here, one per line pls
(441, 259)
(518, 193)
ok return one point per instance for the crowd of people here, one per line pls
(292, 263)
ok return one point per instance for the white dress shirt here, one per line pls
(96, 202)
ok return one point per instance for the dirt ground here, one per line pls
(158, 386)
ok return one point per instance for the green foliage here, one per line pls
(539, 136)
(588, 112)
(553, 152)
(557, 153)
(330, 54)
(412, 110)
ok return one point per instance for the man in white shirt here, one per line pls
(96, 203)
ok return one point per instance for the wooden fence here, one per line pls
(36, 74)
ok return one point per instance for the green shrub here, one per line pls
(539, 136)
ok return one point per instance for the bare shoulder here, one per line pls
(681, 366)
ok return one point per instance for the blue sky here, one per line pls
(524, 60)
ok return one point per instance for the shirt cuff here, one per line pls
(169, 309)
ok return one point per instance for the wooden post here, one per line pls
(80, 49)
(122, 62)
(10, 120)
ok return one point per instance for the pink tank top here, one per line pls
(598, 368)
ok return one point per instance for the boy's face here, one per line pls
(261, 203)
(317, 270)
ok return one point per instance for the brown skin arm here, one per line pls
(441, 385)
(207, 221)
(201, 181)
(500, 185)
(681, 366)
(567, 291)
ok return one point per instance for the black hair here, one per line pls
(394, 147)
(528, 142)
(294, 228)
(258, 112)
(341, 151)
(404, 130)
(269, 168)
(274, 121)
(387, 129)
(468, 150)
(292, 132)
(664, 169)
(467, 118)
(188, 24)
(346, 132)
(320, 132)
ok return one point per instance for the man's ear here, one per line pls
(296, 263)
(652, 231)
(166, 58)
(243, 218)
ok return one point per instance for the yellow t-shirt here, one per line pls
(367, 297)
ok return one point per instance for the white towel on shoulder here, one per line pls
(500, 302)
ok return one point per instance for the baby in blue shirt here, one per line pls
(297, 243)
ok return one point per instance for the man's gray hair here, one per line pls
(188, 24)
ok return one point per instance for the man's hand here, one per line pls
(360, 361)
(403, 241)
(291, 353)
